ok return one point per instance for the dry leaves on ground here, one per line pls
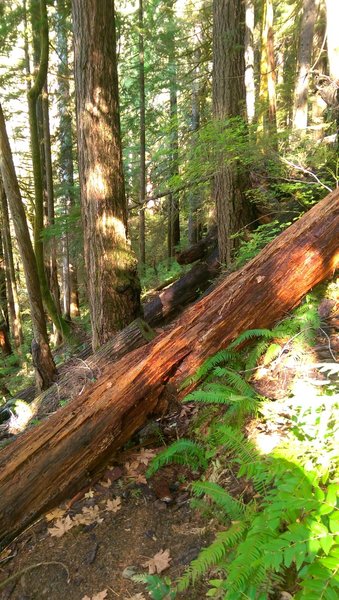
(113, 505)
(57, 513)
(61, 526)
(136, 597)
(88, 516)
(100, 596)
(159, 563)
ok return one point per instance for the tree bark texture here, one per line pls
(142, 120)
(12, 291)
(249, 60)
(113, 285)
(308, 19)
(267, 93)
(229, 100)
(66, 171)
(332, 38)
(45, 373)
(51, 461)
(5, 345)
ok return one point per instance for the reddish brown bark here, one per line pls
(52, 460)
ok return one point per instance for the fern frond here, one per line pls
(207, 367)
(233, 508)
(254, 354)
(184, 452)
(207, 397)
(239, 384)
(212, 555)
(249, 334)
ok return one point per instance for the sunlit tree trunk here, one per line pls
(249, 60)
(12, 292)
(113, 285)
(229, 100)
(308, 19)
(332, 10)
(267, 93)
(44, 364)
(66, 171)
(142, 181)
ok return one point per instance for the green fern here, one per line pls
(248, 335)
(234, 509)
(184, 452)
(212, 555)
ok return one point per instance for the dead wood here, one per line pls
(198, 250)
(47, 463)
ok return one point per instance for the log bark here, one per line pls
(49, 462)
(199, 250)
(186, 289)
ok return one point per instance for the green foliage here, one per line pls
(184, 452)
(288, 533)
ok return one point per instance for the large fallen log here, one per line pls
(51, 461)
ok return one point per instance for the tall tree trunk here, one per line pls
(194, 198)
(308, 19)
(229, 100)
(113, 285)
(12, 291)
(44, 364)
(332, 38)
(5, 345)
(173, 199)
(142, 109)
(249, 60)
(267, 93)
(51, 247)
(66, 171)
(33, 95)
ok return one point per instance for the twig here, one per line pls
(30, 568)
(300, 168)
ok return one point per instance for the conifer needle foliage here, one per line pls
(287, 536)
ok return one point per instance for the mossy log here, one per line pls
(51, 461)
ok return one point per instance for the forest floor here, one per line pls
(92, 546)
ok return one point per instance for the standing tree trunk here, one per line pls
(113, 285)
(12, 291)
(142, 184)
(44, 364)
(332, 38)
(33, 95)
(308, 19)
(229, 100)
(51, 247)
(194, 222)
(5, 345)
(173, 235)
(267, 93)
(66, 172)
(249, 60)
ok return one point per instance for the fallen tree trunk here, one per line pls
(182, 291)
(49, 462)
(198, 250)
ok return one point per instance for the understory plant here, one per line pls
(285, 535)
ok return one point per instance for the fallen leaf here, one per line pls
(89, 494)
(113, 505)
(159, 563)
(100, 596)
(61, 527)
(57, 513)
(88, 516)
(106, 484)
(145, 456)
(136, 597)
